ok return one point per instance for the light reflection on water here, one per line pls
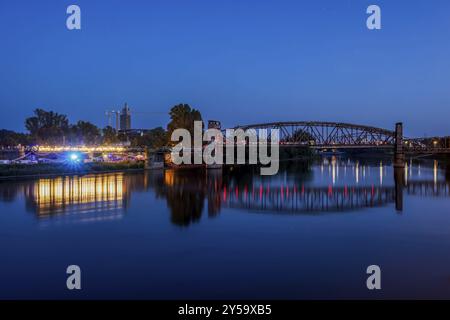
(334, 184)
(209, 218)
(83, 194)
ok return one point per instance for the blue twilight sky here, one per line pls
(238, 61)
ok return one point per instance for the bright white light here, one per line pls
(73, 157)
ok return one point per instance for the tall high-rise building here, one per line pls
(125, 118)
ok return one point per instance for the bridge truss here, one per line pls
(337, 135)
(328, 134)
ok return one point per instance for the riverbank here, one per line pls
(15, 171)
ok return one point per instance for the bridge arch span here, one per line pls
(328, 134)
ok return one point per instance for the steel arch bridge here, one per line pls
(339, 135)
(324, 135)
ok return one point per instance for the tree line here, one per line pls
(51, 128)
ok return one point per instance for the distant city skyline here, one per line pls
(239, 62)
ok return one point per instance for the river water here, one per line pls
(309, 232)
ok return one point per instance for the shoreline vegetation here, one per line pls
(14, 171)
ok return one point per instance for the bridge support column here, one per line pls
(399, 154)
(399, 179)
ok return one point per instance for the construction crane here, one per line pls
(109, 114)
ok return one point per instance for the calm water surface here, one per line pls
(308, 232)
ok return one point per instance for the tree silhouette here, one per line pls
(48, 126)
(86, 133)
(182, 116)
(109, 135)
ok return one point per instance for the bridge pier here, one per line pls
(399, 179)
(399, 154)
